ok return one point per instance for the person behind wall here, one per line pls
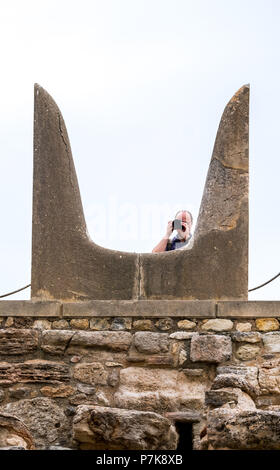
(182, 219)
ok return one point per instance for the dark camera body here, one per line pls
(177, 224)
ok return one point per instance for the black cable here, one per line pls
(15, 291)
(250, 290)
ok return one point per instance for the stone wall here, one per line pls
(121, 374)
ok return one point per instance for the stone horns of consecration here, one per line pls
(68, 265)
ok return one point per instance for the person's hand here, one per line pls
(169, 229)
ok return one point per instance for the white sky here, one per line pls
(142, 85)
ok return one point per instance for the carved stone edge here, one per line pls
(30, 308)
(141, 308)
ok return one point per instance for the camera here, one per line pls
(177, 224)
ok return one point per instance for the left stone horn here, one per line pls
(66, 264)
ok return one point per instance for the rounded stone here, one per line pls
(99, 324)
(60, 325)
(182, 357)
(271, 342)
(243, 327)
(217, 325)
(121, 323)
(267, 324)
(247, 337)
(79, 323)
(151, 343)
(113, 428)
(102, 399)
(143, 325)
(210, 348)
(181, 335)
(247, 352)
(186, 324)
(164, 324)
(42, 325)
(86, 389)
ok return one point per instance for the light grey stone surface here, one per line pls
(267, 324)
(247, 352)
(140, 308)
(269, 380)
(148, 342)
(217, 324)
(159, 390)
(271, 342)
(42, 324)
(183, 335)
(243, 326)
(243, 377)
(210, 348)
(247, 337)
(186, 324)
(110, 340)
(224, 381)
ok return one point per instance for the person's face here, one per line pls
(186, 222)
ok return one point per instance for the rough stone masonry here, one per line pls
(83, 376)
(122, 350)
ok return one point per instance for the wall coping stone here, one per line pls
(141, 308)
(248, 309)
(30, 308)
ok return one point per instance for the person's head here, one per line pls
(186, 220)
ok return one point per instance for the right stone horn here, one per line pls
(216, 267)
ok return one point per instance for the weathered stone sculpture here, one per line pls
(140, 365)
(67, 265)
